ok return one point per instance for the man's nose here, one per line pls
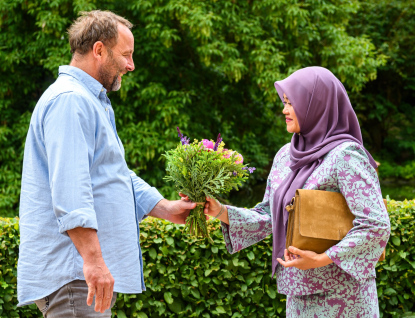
(130, 65)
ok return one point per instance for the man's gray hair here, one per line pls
(95, 26)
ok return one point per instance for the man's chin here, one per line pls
(116, 87)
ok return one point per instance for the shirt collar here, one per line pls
(91, 83)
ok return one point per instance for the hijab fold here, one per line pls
(327, 119)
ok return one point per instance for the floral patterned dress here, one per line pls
(346, 288)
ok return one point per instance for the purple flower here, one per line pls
(250, 169)
(184, 140)
(218, 141)
(235, 173)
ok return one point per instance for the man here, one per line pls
(80, 204)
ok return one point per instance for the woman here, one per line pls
(326, 153)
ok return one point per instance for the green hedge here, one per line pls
(191, 278)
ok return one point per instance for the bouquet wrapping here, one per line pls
(204, 169)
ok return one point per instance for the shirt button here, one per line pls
(102, 90)
(106, 109)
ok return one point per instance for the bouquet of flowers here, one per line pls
(204, 169)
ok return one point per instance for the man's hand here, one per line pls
(173, 211)
(212, 207)
(100, 283)
(303, 259)
(97, 275)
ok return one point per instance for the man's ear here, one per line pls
(98, 50)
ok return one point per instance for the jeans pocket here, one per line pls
(43, 304)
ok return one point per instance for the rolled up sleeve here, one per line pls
(78, 218)
(146, 197)
(69, 138)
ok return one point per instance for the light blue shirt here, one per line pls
(75, 175)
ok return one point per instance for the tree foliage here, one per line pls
(386, 105)
(208, 67)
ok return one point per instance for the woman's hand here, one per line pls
(212, 207)
(303, 259)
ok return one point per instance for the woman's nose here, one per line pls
(285, 111)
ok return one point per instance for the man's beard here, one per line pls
(109, 81)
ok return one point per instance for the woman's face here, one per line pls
(290, 117)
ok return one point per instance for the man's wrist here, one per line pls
(93, 258)
(160, 209)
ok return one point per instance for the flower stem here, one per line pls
(196, 224)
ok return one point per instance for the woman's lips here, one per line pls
(287, 120)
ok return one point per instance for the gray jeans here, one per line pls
(70, 301)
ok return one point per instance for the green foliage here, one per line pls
(396, 275)
(385, 106)
(206, 66)
(398, 181)
(190, 277)
(399, 193)
(9, 253)
(389, 170)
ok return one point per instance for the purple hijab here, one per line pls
(326, 120)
